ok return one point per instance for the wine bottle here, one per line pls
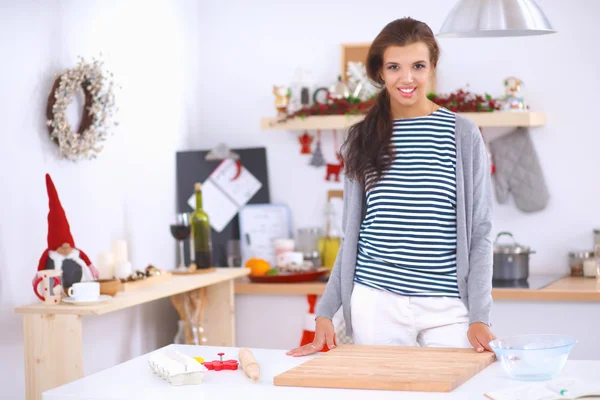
(201, 233)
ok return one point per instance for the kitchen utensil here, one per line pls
(426, 369)
(511, 261)
(533, 357)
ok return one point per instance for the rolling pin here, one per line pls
(249, 364)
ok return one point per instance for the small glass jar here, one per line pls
(576, 260)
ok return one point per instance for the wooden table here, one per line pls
(564, 289)
(53, 333)
(134, 380)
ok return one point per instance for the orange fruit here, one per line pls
(258, 266)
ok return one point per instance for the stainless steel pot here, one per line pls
(511, 261)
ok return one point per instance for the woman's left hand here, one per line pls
(480, 335)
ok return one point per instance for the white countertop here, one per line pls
(134, 380)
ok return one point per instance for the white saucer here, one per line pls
(101, 299)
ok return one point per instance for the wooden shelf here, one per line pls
(565, 289)
(177, 284)
(328, 122)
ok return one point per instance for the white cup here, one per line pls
(84, 291)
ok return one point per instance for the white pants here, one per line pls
(386, 319)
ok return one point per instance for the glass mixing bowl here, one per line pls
(533, 357)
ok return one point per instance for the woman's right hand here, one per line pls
(324, 334)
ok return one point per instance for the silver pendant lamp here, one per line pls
(495, 18)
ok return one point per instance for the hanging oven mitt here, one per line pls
(518, 171)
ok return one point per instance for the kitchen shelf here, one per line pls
(329, 122)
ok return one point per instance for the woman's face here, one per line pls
(406, 72)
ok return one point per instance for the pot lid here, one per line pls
(510, 248)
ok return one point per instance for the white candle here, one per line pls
(119, 251)
(123, 270)
(106, 265)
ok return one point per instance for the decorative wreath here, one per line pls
(98, 110)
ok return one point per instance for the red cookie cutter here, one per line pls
(221, 365)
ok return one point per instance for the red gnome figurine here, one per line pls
(61, 253)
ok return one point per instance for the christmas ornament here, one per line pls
(282, 99)
(339, 90)
(317, 159)
(361, 85)
(465, 101)
(305, 142)
(61, 254)
(98, 110)
(301, 87)
(335, 169)
(513, 100)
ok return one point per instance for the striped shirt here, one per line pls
(407, 241)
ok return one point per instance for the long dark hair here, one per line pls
(367, 151)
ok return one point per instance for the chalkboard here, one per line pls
(192, 167)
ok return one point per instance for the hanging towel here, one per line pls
(518, 171)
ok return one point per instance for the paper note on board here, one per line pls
(223, 196)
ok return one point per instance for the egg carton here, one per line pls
(177, 368)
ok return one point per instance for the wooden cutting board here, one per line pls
(424, 369)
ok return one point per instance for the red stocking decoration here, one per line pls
(309, 325)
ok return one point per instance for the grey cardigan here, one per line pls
(474, 252)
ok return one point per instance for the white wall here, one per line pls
(128, 192)
(197, 73)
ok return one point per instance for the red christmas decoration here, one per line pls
(335, 169)
(220, 365)
(465, 101)
(305, 142)
(61, 252)
(309, 326)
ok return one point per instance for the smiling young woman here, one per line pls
(415, 265)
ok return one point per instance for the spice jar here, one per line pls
(576, 260)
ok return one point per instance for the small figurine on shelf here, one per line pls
(339, 90)
(282, 99)
(61, 253)
(513, 100)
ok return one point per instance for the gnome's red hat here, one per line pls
(59, 231)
